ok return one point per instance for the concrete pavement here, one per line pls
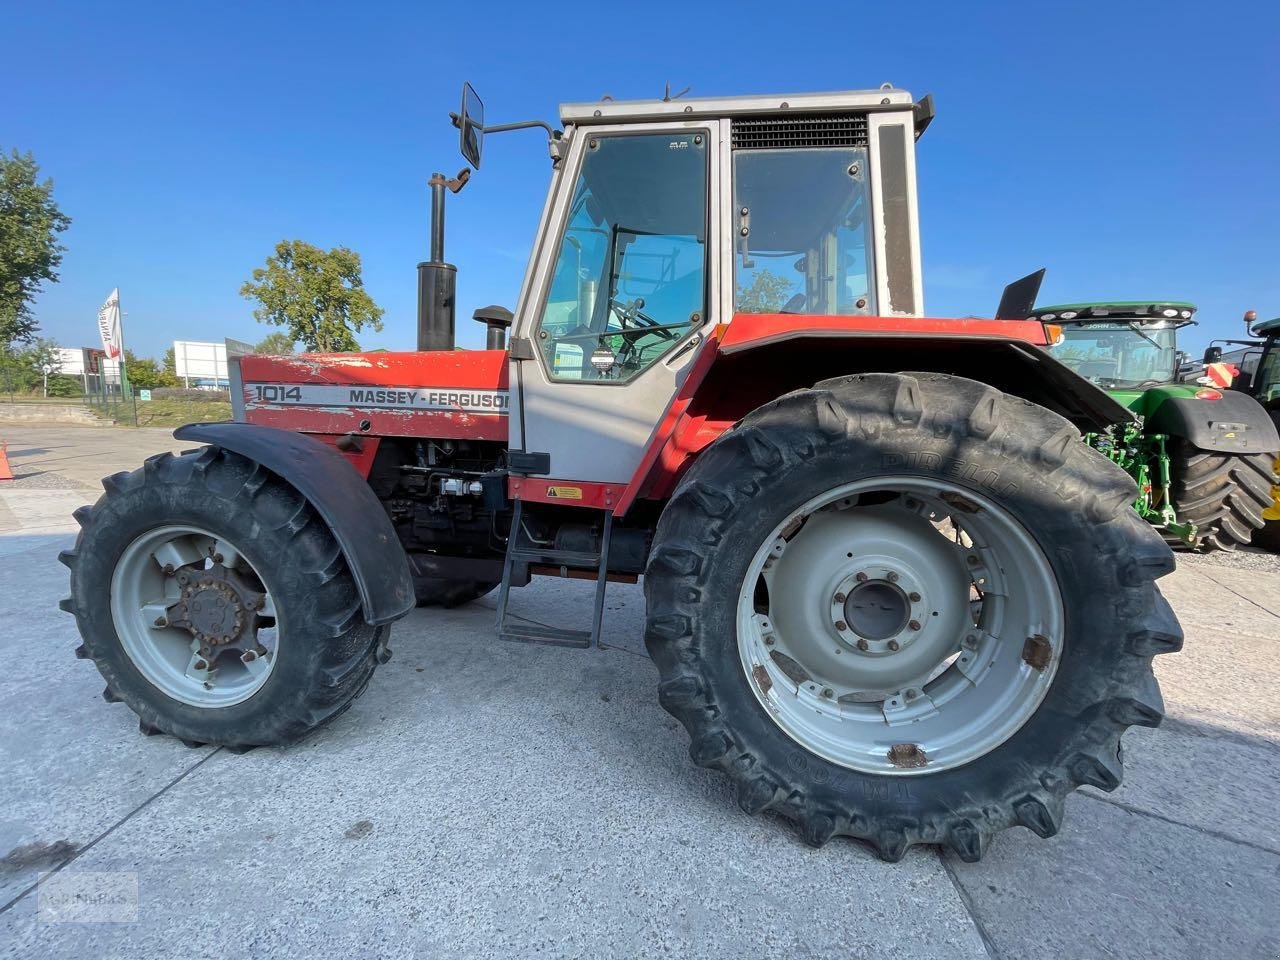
(492, 799)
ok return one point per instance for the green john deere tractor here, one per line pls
(1203, 456)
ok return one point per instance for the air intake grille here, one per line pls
(826, 130)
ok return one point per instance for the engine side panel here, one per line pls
(455, 394)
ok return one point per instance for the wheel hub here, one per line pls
(878, 609)
(214, 606)
(194, 616)
(884, 628)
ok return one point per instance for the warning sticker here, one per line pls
(565, 493)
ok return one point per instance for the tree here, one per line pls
(145, 374)
(22, 371)
(316, 295)
(30, 254)
(277, 344)
(767, 293)
(170, 364)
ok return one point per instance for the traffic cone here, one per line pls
(5, 472)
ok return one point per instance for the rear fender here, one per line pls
(729, 379)
(340, 495)
(1234, 423)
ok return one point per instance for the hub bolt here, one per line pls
(841, 625)
(891, 577)
(840, 598)
(828, 693)
(914, 624)
(894, 645)
(861, 577)
(863, 645)
(914, 597)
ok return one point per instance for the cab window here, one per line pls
(630, 277)
(803, 241)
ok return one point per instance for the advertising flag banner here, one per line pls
(109, 324)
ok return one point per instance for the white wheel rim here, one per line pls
(145, 588)
(907, 625)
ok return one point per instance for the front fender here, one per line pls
(340, 495)
(1236, 423)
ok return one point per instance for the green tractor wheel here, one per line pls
(1223, 494)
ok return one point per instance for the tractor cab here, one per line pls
(667, 218)
(1122, 347)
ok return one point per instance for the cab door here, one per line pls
(622, 290)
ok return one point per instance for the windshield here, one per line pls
(1121, 354)
(1268, 376)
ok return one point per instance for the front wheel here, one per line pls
(216, 603)
(908, 609)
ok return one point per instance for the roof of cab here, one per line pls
(1100, 311)
(701, 108)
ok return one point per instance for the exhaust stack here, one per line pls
(437, 280)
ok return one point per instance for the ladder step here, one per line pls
(557, 558)
(536, 633)
(528, 632)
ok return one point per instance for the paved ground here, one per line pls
(488, 799)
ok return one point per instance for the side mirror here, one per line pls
(471, 126)
(1212, 355)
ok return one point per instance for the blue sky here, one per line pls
(1132, 148)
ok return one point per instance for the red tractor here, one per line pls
(889, 591)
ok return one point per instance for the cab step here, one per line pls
(521, 549)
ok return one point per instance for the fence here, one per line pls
(112, 401)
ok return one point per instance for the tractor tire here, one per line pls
(184, 567)
(753, 556)
(1223, 494)
(439, 592)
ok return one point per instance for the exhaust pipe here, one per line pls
(437, 280)
(496, 320)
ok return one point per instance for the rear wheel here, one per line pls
(909, 610)
(215, 602)
(1223, 494)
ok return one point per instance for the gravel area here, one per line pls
(43, 481)
(1245, 558)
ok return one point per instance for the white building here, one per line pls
(87, 363)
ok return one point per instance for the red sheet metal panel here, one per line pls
(567, 493)
(753, 329)
(455, 394)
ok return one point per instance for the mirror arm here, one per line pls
(552, 132)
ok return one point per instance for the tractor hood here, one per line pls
(449, 394)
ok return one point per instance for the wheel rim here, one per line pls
(194, 616)
(900, 625)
